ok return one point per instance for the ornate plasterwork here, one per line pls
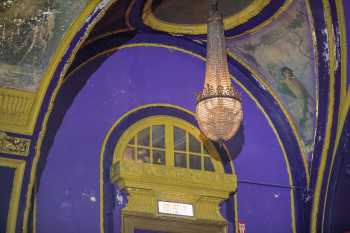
(15, 110)
(14, 145)
(147, 183)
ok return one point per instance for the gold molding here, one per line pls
(168, 122)
(128, 13)
(343, 110)
(330, 120)
(169, 224)
(19, 166)
(16, 111)
(148, 183)
(14, 145)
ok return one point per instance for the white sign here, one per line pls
(242, 228)
(165, 207)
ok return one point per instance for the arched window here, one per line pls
(167, 141)
(170, 172)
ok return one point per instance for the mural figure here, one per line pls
(30, 31)
(300, 102)
(289, 68)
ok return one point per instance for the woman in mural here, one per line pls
(301, 104)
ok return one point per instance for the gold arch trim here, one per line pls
(230, 22)
(327, 137)
(167, 121)
(343, 107)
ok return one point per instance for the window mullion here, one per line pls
(136, 147)
(169, 145)
(151, 144)
(187, 140)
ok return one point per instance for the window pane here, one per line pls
(208, 165)
(132, 141)
(179, 139)
(158, 136)
(128, 153)
(143, 137)
(143, 155)
(195, 145)
(195, 162)
(180, 160)
(205, 151)
(159, 157)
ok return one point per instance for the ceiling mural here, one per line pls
(282, 53)
(180, 12)
(185, 17)
(30, 31)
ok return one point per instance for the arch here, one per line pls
(249, 81)
(165, 136)
(115, 134)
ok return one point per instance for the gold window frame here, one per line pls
(147, 183)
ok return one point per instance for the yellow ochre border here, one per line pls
(19, 166)
(230, 22)
(172, 121)
(343, 107)
(325, 150)
(62, 48)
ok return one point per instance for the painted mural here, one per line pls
(30, 31)
(282, 54)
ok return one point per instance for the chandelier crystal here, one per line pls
(219, 107)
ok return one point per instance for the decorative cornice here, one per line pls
(148, 183)
(149, 176)
(220, 91)
(16, 111)
(14, 145)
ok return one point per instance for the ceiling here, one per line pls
(194, 11)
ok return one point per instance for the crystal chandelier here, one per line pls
(219, 106)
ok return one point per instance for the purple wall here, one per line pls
(68, 196)
(346, 6)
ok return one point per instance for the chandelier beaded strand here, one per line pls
(219, 106)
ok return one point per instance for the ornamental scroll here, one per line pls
(14, 145)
